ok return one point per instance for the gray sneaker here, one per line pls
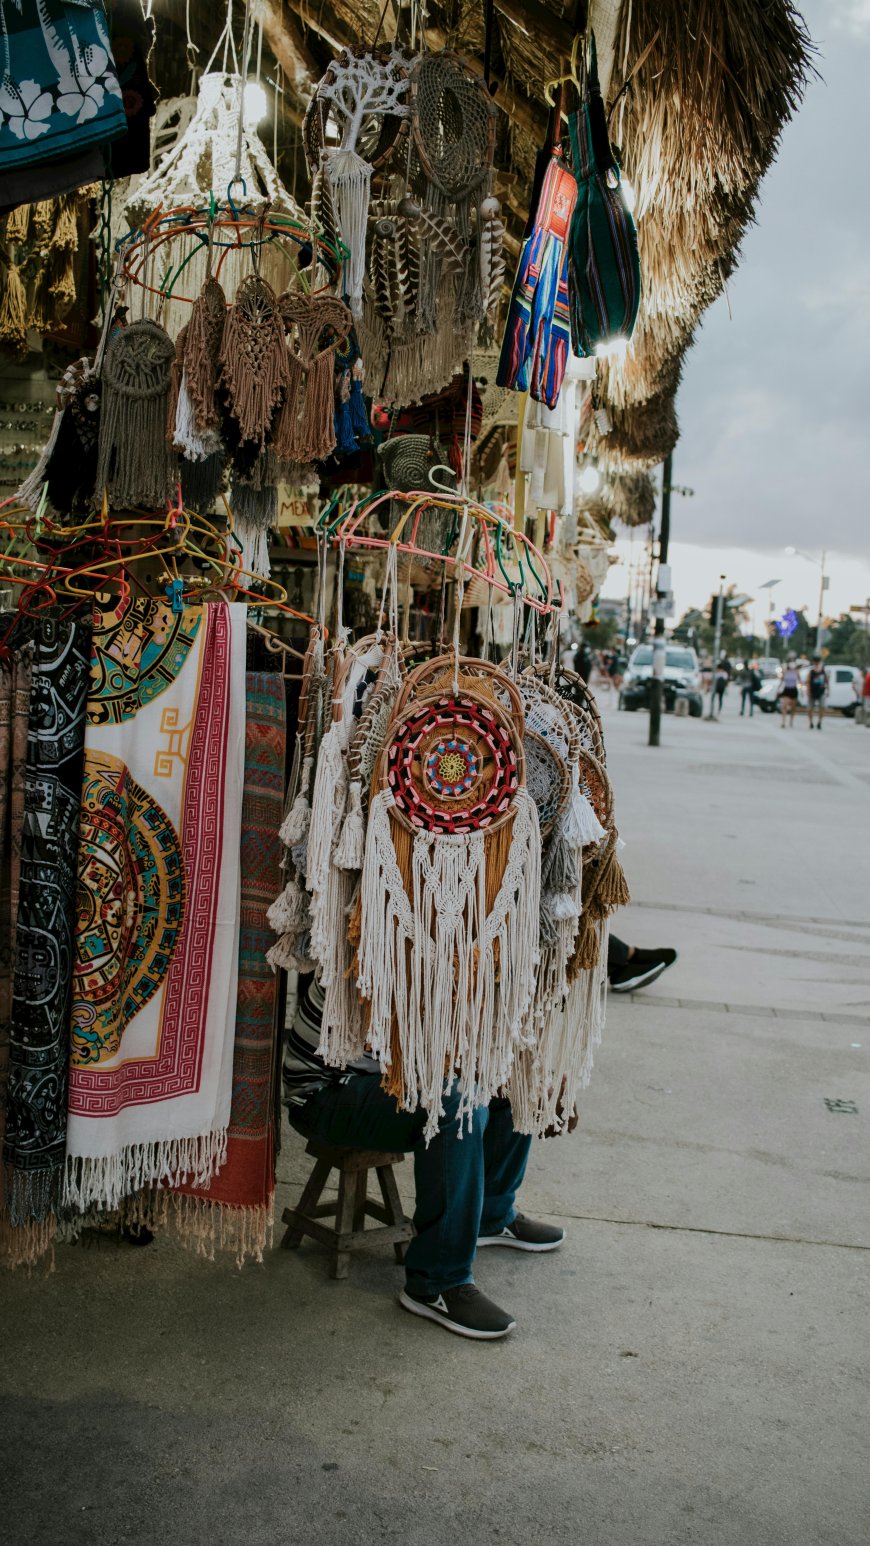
(526, 1235)
(464, 1310)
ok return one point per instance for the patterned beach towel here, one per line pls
(59, 91)
(235, 1211)
(35, 1137)
(157, 934)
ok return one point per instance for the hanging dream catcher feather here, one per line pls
(365, 95)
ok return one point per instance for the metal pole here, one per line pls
(657, 684)
(821, 605)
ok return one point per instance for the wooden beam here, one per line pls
(548, 31)
(287, 44)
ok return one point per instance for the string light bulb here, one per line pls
(256, 103)
(589, 480)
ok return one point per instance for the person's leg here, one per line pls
(449, 1184)
(505, 1157)
(617, 952)
(358, 1114)
(448, 1174)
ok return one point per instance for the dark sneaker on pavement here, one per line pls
(643, 968)
(526, 1235)
(464, 1310)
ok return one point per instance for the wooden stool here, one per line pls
(350, 1207)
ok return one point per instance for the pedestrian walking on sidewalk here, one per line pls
(750, 681)
(789, 695)
(817, 691)
(721, 678)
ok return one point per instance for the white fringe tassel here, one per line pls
(105, 1181)
(456, 981)
(547, 1079)
(194, 446)
(350, 180)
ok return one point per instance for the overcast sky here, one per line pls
(774, 406)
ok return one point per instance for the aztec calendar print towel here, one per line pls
(157, 931)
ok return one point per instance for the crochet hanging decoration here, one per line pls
(566, 1018)
(449, 900)
(305, 431)
(212, 153)
(453, 122)
(362, 101)
(254, 360)
(135, 465)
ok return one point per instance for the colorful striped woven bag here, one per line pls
(534, 349)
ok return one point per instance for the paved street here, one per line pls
(692, 1366)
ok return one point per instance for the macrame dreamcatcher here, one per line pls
(362, 102)
(317, 325)
(453, 123)
(254, 361)
(135, 464)
(566, 1016)
(450, 896)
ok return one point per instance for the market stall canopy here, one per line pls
(698, 92)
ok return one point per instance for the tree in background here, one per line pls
(847, 642)
(603, 633)
(698, 628)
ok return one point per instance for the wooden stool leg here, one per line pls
(311, 1195)
(344, 1217)
(359, 1207)
(392, 1203)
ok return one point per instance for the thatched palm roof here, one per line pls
(699, 89)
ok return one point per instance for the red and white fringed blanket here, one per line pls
(157, 934)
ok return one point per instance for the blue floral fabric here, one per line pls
(59, 91)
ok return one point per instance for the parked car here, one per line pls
(682, 679)
(844, 691)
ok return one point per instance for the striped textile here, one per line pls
(235, 1210)
(304, 1072)
(534, 349)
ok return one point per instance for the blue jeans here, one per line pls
(466, 1185)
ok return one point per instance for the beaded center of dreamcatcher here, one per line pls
(451, 768)
(452, 765)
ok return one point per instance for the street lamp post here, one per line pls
(769, 586)
(823, 584)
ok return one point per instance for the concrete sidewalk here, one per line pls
(690, 1368)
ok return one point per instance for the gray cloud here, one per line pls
(775, 403)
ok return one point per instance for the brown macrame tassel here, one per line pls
(63, 283)
(306, 429)
(205, 332)
(135, 463)
(288, 434)
(587, 947)
(43, 222)
(13, 310)
(612, 888)
(18, 224)
(40, 311)
(254, 360)
(65, 237)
